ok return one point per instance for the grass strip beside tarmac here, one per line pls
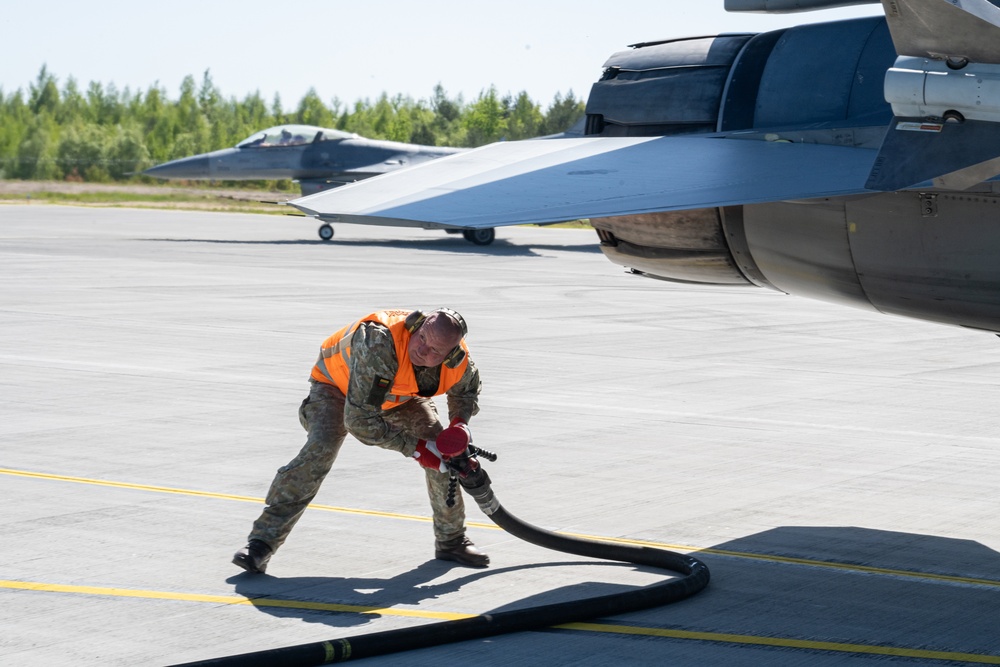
(208, 197)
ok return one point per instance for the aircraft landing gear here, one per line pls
(483, 236)
(326, 232)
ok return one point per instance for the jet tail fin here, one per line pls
(945, 94)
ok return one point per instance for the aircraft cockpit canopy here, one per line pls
(293, 135)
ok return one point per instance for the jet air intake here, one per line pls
(916, 253)
(667, 88)
(737, 82)
(681, 246)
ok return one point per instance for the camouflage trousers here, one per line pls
(296, 484)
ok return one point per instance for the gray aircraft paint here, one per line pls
(319, 158)
(756, 160)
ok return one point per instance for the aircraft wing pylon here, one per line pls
(944, 90)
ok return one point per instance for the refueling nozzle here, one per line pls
(465, 469)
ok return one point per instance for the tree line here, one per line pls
(103, 134)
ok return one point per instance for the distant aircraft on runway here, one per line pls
(318, 158)
(854, 161)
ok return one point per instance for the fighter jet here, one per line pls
(318, 158)
(851, 161)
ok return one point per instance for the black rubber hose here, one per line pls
(695, 578)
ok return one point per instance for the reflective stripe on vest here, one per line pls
(341, 347)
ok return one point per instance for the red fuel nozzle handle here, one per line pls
(454, 440)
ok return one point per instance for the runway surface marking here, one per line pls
(604, 628)
(618, 540)
(787, 643)
(227, 599)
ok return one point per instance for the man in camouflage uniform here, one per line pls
(370, 369)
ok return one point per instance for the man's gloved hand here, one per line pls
(428, 456)
(455, 439)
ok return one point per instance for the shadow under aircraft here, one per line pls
(318, 158)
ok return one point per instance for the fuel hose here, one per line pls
(694, 577)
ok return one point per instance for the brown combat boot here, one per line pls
(462, 551)
(253, 557)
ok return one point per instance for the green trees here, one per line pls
(103, 133)
(484, 119)
(564, 112)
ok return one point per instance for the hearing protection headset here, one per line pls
(416, 319)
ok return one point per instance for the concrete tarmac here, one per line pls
(837, 470)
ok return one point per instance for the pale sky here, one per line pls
(353, 50)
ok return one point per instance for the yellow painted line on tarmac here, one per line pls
(856, 568)
(615, 540)
(602, 628)
(204, 494)
(770, 558)
(227, 600)
(585, 627)
(785, 642)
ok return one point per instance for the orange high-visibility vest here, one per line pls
(334, 363)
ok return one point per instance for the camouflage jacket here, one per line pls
(373, 355)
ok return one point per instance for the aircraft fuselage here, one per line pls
(316, 157)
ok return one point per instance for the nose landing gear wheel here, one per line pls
(326, 232)
(479, 236)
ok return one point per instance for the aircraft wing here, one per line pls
(554, 180)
